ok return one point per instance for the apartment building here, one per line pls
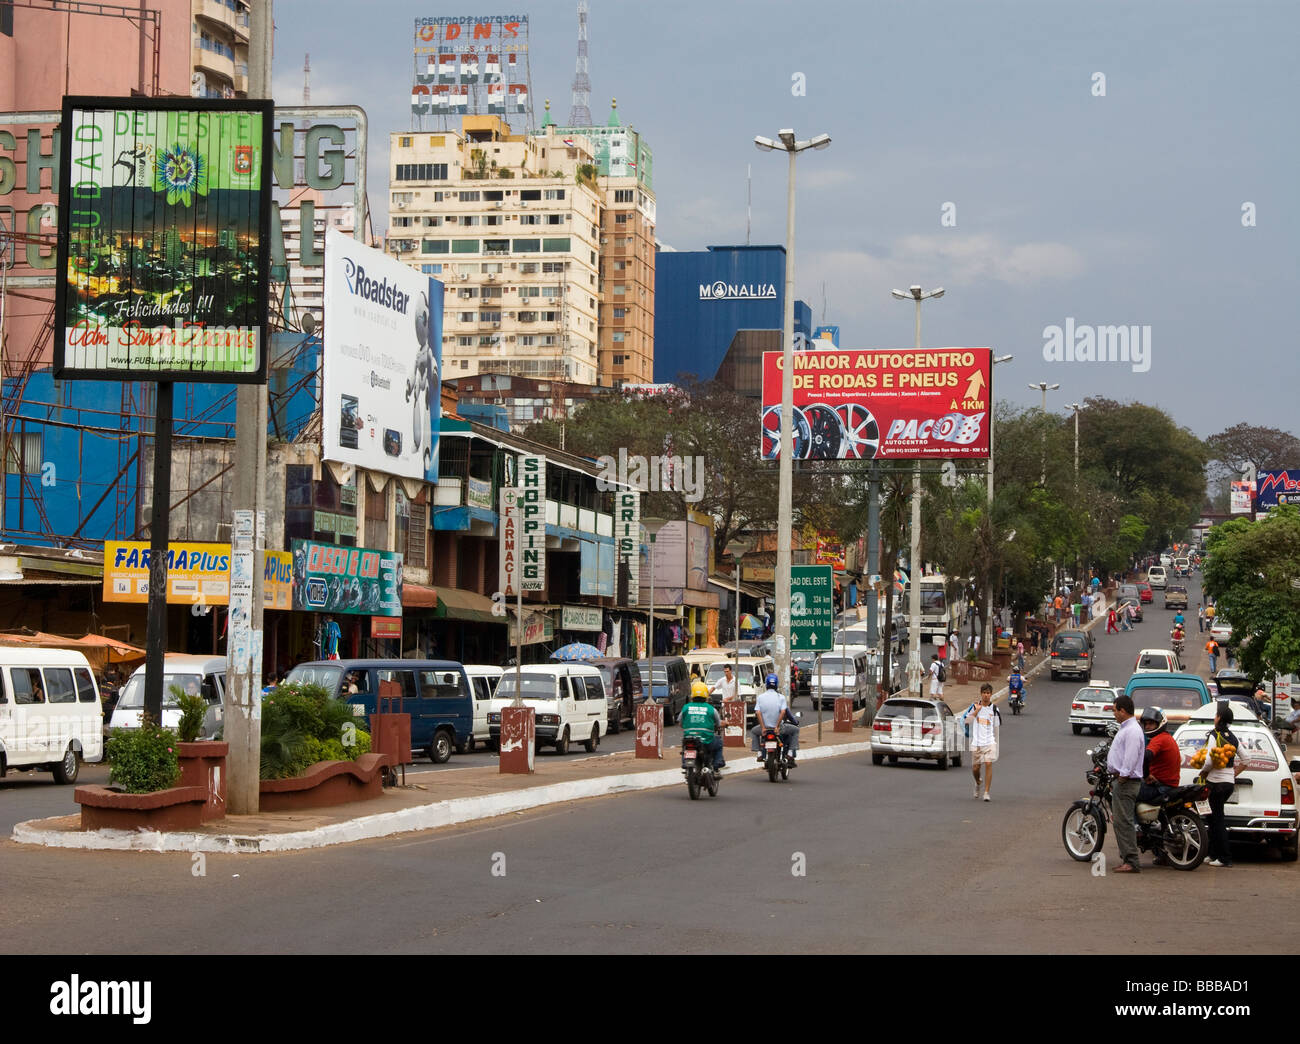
(511, 224)
(307, 281)
(219, 48)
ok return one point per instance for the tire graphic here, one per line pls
(861, 432)
(772, 433)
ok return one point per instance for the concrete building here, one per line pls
(307, 282)
(511, 224)
(219, 49)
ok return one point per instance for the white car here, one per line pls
(1221, 630)
(912, 728)
(1157, 576)
(1150, 661)
(1262, 807)
(1093, 707)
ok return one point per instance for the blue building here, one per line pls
(717, 310)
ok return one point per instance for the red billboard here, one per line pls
(883, 404)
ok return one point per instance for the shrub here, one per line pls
(301, 725)
(143, 759)
(194, 708)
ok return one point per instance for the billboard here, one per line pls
(381, 394)
(889, 404)
(197, 574)
(1279, 486)
(163, 255)
(331, 578)
(476, 64)
(1242, 494)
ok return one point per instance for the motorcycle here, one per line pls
(1173, 829)
(1016, 701)
(697, 767)
(1177, 645)
(776, 756)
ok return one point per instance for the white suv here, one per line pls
(1262, 807)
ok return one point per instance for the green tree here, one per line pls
(1252, 573)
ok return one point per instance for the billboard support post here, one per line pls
(243, 723)
(156, 630)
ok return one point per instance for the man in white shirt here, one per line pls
(771, 709)
(984, 723)
(954, 648)
(936, 686)
(725, 687)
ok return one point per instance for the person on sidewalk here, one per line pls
(1126, 761)
(1221, 774)
(985, 722)
(1212, 650)
(936, 681)
(1200, 617)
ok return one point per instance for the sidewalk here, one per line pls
(463, 796)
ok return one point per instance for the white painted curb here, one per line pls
(425, 817)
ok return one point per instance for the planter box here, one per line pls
(204, 765)
(980, 670)
(959, 674)
(326, 783)
(176, 808)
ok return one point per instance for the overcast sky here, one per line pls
(1122, 209)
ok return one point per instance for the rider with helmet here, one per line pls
(700, 721)
(772, 710)
(1163, 758)
(1016, 685)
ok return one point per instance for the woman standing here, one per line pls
(1221, 771)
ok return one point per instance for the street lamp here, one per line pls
(918, 295)
(736, 548)
(1044, 387)
(793, 147)
(1076, 407)
(988, 604)
(652, 527)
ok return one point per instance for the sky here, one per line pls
(974, 146)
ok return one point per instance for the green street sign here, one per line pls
(812, 607)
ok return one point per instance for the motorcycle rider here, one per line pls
(1176, 636)
(700, 721)
(1016, 685)
(772, 710)
(1163, 758)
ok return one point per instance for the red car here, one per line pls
(1144, 591)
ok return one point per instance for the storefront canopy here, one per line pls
(455, 604)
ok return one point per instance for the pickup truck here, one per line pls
(1176, 597)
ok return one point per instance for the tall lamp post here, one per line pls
(652, 527)
(915, 293)
(987, 640)
(736, 549)
(792, 146)
(1044, 387)
(1076, 407)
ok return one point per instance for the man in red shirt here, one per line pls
(1163, 758)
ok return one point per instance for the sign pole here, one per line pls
(159, 512)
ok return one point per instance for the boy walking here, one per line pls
(984, 722)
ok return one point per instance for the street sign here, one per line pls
(812, 607)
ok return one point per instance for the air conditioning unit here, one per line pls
(523, 202)
(464, 275)
(498, 205)
(400, 206)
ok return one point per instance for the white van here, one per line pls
(568, 700)
(1157, 577)
(483, 680)
(50, 715)
(842, 671)
(204, 675)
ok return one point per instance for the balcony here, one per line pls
(219, 68)
(219, 14)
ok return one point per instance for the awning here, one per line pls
(417, 596)
(455, 604)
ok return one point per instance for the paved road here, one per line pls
(896, 858)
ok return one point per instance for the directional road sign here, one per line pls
(812, 607)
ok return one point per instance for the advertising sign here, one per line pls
(830, 553)
(580, 618)
(508, 546)
(478, 493)
(1242, 494)
(197, 574)
(891, 404)
(381, 395)
(477, 64)
(164, 243)
(1278, 487)
(331, 578)
(532, 521)
(385, 627)
(812, 607)
(538, 627)
(627, 536)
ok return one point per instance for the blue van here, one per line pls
(1177, 694)
(435, 693)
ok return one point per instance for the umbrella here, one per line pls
(576, 651)
(751, 623)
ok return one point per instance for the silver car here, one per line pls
(905, 727)
(1093, 707)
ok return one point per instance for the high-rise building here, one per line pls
(219, 48)
(307, 282)
(511, 224)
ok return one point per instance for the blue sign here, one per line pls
(831, 333)
(317, 593)
(1281, 486)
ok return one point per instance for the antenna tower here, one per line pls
(580, 108)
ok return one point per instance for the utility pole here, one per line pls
(243, 709)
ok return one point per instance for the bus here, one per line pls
(938, 618)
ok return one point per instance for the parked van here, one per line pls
(199, 675)
(568, 700)
(50, 715)
(622, 689)
(842, 672)
(1071, 653)
(672, 684)
(482, 686)
(435, 693)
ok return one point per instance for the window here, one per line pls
(465, 342)
(58, 685)
(490, 267)
(619, 313)
(555, 246)
(25, 454)
(620, 289)
(404, 679)
(554, 194)
(468, 197)
(435, 246)
(469, 219)
(552, 291)
(496, 246)
(620, 266)
(622, 195)
(619, 360)
(487, 342)
(493, 196)
(527, 246)
(402, 222)
(489, 317)
(548, 340)
(403, 143)
(27, 685)
(468, 293)
(530, 219)
(440, 685)
(420, 172)
(491, 291)
(465, 317)
(556, 219)
(437, 196)
(531, 195)
(464, 364)
(528, 341)
(432, 221)
(619, 337)
(403, 198)
(494, 219)
(620, 219)
(554, 266)
(528, 268)
(429, 269)
(464, 246)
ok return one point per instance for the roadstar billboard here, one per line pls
(886, 404)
